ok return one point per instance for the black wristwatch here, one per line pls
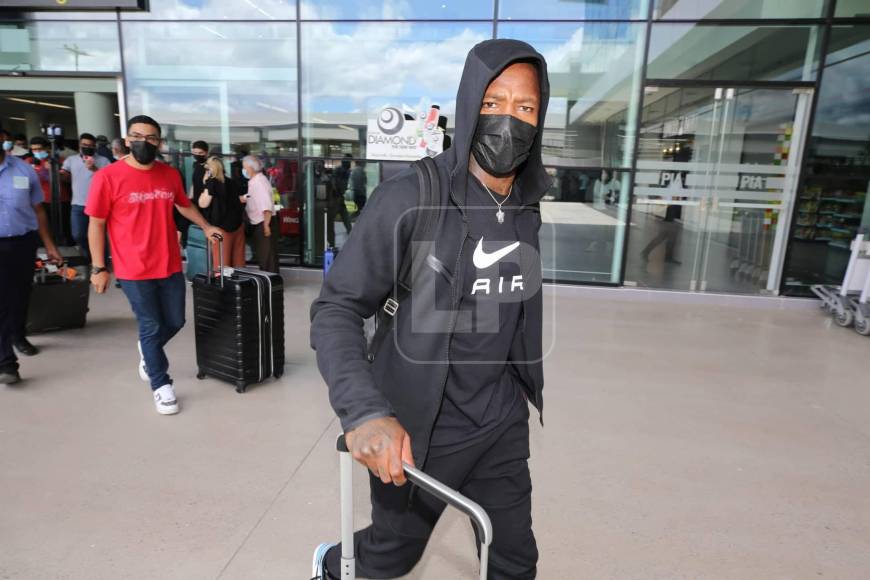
(97, 270)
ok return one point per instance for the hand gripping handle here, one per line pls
(428, 484)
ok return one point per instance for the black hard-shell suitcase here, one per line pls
(56, 302)
(239, 323)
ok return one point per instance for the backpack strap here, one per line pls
(425, 221)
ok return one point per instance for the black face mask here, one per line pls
(502, 143)
(143, 152)
(199, 158)
(89, 151)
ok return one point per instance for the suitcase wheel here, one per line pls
(200, 375)
(241, 387)
(279, 373)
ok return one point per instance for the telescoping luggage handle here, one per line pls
(216, 238)
(425, 482)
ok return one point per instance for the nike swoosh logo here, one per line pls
(482, 260)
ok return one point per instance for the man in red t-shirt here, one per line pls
(135, 198)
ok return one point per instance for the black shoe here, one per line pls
(9, 377)
(674, 262)
(24, 347)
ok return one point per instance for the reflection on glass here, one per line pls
(852, 8)
(712, 174)
(592, 68)
(734, 53)
(216, 10)
(351, 72)
(210, 81)
(583, 223)
(833, 204)
(725, 9)
(575, 10)
(60, 46)
(392, 10)
(336, 191)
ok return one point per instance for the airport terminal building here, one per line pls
(704, 146)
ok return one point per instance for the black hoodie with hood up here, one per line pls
(407, 377)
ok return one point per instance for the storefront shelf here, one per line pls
(844, 199)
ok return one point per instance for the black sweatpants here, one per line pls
(494, 472)
(17, 262)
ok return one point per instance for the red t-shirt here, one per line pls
(137, 206)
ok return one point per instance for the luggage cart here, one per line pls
(847, 303)
(862, 305)
(426, 483)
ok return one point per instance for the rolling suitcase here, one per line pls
(58, 299)
(426, 483)
(239, 324)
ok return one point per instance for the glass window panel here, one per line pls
(216, 10)
(725, 9)
(594, 79)
(575, 10)
(224, 92)
(391, 10)
(360, 178)
(583, 218)
(834, 198)
(352, 71)
(852, 8)
(733, 53)
(59, 46)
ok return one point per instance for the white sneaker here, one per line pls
(318, 562)
(143, 374)
(165, 401)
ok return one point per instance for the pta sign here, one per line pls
(752, 183)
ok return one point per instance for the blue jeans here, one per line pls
(79, 226)
(159, 309)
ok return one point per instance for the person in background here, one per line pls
(20, 148)
(261, 214)
(199, 152)
(23, 223)
(80, 170)
(135, 198)
(119, 149)
(6, 142)
(221, 205)
(40, 152)
(103, 149)
(358, 183)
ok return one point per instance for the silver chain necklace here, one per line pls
(499, 215)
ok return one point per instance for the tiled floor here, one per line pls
(681, 441)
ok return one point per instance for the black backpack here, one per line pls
(430, 199)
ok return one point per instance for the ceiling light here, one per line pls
(42, 103)
(260, 10)
(347, 128)
(213, 31)
(18, 118)
(272, 107)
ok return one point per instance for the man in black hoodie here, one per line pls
(448, 387)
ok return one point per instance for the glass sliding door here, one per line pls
(714, 187)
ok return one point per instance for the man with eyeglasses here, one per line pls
(135, 198)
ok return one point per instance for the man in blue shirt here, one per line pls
(23, 223)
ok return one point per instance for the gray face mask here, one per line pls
(502, 143)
